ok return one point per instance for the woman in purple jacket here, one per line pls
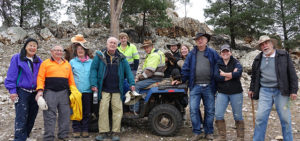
(21, 84)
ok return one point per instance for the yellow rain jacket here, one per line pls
(75, 104)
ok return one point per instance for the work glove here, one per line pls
(132, 97)
(42, 103)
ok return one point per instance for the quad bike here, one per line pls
(164, 105)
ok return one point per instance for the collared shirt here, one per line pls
(55, 76)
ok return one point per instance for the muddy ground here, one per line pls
(138, 130)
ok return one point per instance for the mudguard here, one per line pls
(163, 90)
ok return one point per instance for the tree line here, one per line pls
(237, 18)
(252, 18)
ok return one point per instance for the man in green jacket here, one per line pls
(108, 71)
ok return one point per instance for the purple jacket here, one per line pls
(27, 77)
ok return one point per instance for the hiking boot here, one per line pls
(240, 127)
(85, 134)
(221, 126)
(76, 135)
(101, 137)
(209, 136)
(196, 137)
(115, 136)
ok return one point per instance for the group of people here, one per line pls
(212, 77)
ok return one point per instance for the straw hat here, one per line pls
(265, 38)
(79, 39)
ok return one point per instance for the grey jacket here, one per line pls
(285, 72)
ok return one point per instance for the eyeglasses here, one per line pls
(57, 50)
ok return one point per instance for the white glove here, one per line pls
(42, 103)
(134, 93)
(128, 97)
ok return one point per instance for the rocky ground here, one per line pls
(138, 129)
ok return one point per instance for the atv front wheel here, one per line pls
(165, 120)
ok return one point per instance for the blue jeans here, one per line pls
(236, 102)
(138, 87)
(205, 93)
(26, 112)
(268, 97)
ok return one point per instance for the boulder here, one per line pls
(65, 30)
(182, 27)
(89, 32)
(248, 59)
(33, 35)
(46, 34)
(13, 35)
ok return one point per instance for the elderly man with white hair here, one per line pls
(54, 79)
(273, 81)
(108, 71)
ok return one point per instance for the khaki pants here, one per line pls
(117, 112)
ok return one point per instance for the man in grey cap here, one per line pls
(273, 81)
(198, 70)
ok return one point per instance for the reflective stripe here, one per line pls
(130, 52)
(160, 59)
(150, 68)
(130, 63)
(159, 73)
(145, 75)
(162, 63)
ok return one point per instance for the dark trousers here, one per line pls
(82, 126)
(26, 112)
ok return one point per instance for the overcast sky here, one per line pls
(194, 9)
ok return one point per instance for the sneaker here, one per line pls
(63, 139)
(196, 137)
(101, 137)
(76, 135)
(115, 136)
(85, 134)
(209, 136)
(31, 139)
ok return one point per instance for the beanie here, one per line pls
(23, 50)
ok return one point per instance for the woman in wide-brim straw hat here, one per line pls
(81, 64)
(77, 40)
